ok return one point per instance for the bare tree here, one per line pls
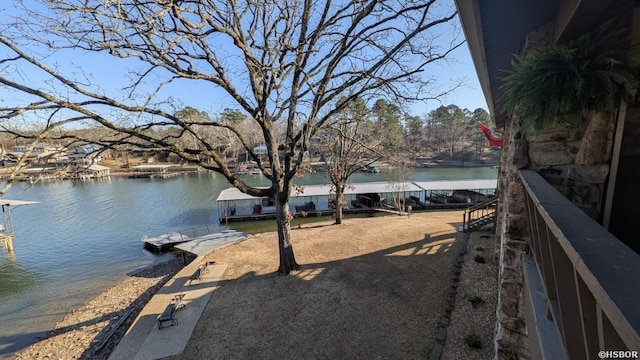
(284, 63)
(398, 181)
(250, 129)
(347, 149)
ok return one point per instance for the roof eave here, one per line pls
(472, 26)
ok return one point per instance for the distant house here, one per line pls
(84, 155)
(41, 152)
(261, 150)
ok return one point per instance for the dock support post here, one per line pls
(8, 242)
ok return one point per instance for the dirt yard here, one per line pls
(368, 289)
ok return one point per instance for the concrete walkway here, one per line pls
(144, 341)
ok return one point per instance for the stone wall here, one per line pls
(552, 153)
(511, 339)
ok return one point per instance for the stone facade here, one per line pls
(551, 153)
(574, 163)
(511, 339)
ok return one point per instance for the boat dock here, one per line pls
(6, 228)
(198, 245)
(155, 171)
(202, 245)
(317, 200)
(164, 242)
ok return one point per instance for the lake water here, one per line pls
(82, 238)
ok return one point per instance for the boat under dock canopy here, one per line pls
(233, 194)
(234, 205)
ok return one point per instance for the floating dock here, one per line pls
(164, 242)
(205, 244)
(198, 245)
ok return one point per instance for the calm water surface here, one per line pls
(82, 238)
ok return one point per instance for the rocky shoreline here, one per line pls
(94, 330)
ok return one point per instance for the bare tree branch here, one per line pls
(285, 63)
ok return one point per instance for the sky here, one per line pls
(109, 73)
(469, 95)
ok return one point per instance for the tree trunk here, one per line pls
(595, 147)
(283, 219)
(338, 204)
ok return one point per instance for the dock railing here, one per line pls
(187, 233)
(196, 231)
(581, 284)
(480, 214)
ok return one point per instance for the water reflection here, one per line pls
(15, 278)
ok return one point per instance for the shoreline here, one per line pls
(127, 172)
(92, 330)
(83, 333)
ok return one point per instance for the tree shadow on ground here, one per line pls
(383, 304)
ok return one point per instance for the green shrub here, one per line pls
(476, 301)
(474, 341)
(479, 248)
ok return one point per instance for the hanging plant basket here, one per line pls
(588, 77)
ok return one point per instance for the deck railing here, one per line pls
(582, 285)
(480, 214)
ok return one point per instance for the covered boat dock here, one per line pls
(155, 171)
(317, 200)
(6, 228)
(443, 193)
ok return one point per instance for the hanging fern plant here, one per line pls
(587, 77)
(543, 86)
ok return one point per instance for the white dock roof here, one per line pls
(359, 188)
(154, 166)
(234, 194)
(7, 202)
(372, 187)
